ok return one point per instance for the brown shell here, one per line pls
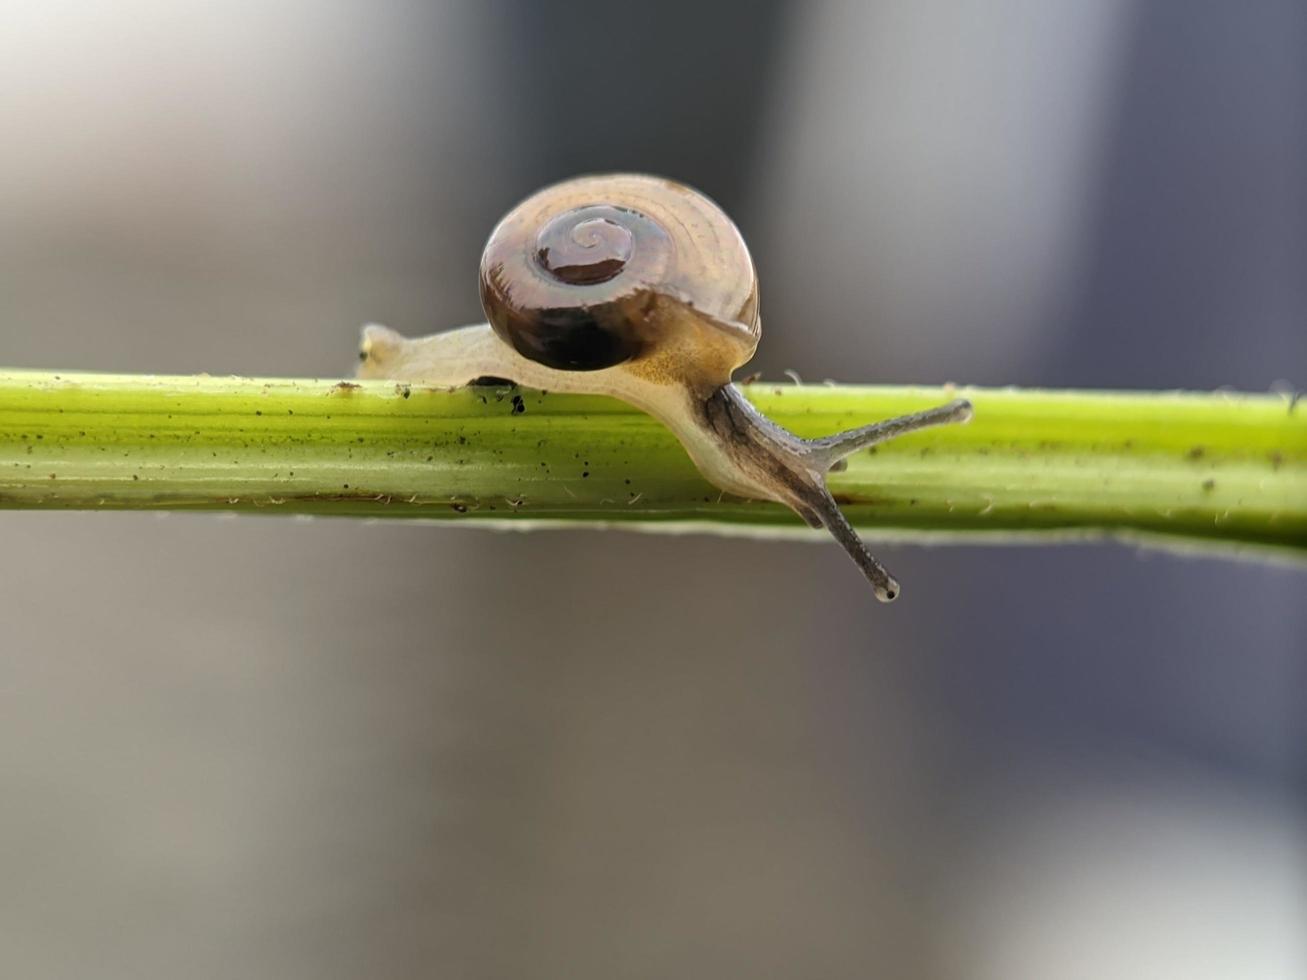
(617, 268)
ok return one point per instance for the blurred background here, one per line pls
(265, 748)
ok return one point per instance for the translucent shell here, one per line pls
(605, 270)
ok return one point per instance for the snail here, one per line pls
(642, 288)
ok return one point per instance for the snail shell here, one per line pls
(623, 269)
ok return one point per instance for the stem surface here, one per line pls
(1217, 469)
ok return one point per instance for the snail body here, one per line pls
(643, 289)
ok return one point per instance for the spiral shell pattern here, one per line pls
(602, 270)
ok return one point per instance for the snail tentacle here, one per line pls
(833, 520)
(830, 450)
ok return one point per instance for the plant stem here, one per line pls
(1221, 469)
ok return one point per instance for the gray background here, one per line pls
(264, 748)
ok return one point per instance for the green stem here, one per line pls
(1218, 468)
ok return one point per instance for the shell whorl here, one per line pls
(602, 270)
(587, 246)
